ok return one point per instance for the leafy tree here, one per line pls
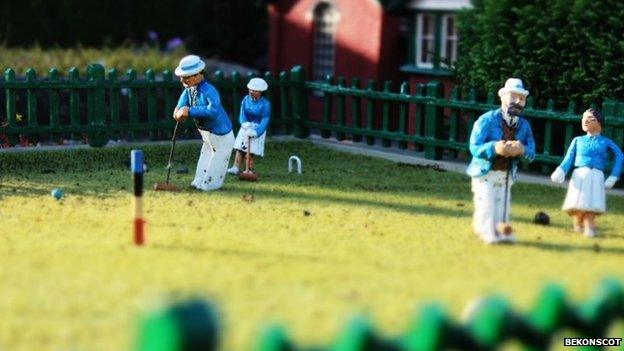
(562, 49)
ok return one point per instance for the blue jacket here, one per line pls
(488, 130)
(207, 110)
(258, 112)
(592, 151)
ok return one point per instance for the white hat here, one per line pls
(257, 84)
(513, 85)
(189, 65)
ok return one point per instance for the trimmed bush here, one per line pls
(563, 49)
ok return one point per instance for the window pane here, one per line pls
(450, 26)
(427, 25)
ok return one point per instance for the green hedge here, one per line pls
(563, 49)
(139, 59)
(233, 30)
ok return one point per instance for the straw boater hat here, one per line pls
(189, 65)
(513, 85)
(257, 84)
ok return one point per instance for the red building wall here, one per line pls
(367, 38)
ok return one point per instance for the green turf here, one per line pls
(351, 235)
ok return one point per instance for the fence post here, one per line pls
(168, 97)
(11, 114)
(53, 99)
(133, 104)
(74, 101)
(97, 116)
(340, 108)
(31, 99)
(113, 103)
(370, 113)
(433, 120)
(327, 106)
(356, 110)
(608, 110)
(236, 80)
(385, 115)
(403, 112)
(150, 92)
(283, 103)
(300, 102)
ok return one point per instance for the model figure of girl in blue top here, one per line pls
(586, 192)
(201, 102)
(255, 115)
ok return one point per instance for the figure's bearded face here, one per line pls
(513, 103)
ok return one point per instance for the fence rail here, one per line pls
(103, 105)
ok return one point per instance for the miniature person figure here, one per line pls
(255, 115)
(201, 102)
(586, 199)
(498, 139)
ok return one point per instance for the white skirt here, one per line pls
(586, 191)
(257, 144)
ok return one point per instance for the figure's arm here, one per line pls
(568, 160)
(211, 107)
(242, 117)
(558, 176)
(181, 110)
(619, 158)
(478, 146)
(183, 101)
(266, 118)
(529, 144)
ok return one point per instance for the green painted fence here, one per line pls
(492, 323)
(440, 125)
(103, 105)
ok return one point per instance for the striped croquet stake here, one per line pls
(136, 157)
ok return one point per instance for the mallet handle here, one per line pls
(173, 140)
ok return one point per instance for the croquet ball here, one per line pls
(541, 218)
(57, 193)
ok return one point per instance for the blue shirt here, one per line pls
(592, 151)
(206, 109)
(486, 132)
(258, 111)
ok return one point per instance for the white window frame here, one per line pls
(445, 38)
(419, 39)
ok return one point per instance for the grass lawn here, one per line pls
(351, 235)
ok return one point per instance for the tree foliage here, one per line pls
(563, 49)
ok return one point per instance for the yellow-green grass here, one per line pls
(380, 240)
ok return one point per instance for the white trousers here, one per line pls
(489, 202)
(213, 160)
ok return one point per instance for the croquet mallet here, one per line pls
(248, 174)
(166, 186)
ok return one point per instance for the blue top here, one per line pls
(488, 130)
(206, 109)
(258, 111)
(591, 151)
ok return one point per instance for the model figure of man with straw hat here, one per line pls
(499, 139)
(201, 102)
